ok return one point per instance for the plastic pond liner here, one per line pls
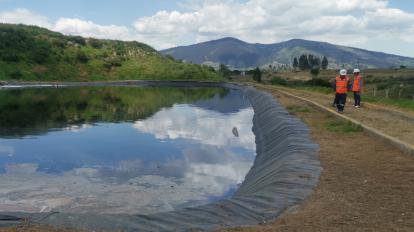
(284, 173)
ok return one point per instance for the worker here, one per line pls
(341, 86)
(357, 88)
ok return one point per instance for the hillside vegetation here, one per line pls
(37, 54)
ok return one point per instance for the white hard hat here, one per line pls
(357, 70)
(343, 72)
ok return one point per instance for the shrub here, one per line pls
(17, 74)
(314, 71)
(278, 81)
(318, 82)
(82, 57)
(77, 39)
(95, 43)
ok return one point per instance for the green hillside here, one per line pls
(37, 54)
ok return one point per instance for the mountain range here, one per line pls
(238, 54)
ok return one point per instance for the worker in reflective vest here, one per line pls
(341, 86)
(357, 88)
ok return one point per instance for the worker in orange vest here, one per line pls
(341, 87)
(357, 88)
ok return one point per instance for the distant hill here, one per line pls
(242, 55)
(34, 53)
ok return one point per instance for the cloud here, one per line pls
(75, 26)
(69, 26)
(347, 22)
(24, 16)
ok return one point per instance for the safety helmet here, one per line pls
(343, 72)
(357, 70)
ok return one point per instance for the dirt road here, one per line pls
(365, 185)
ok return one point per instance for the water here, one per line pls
(121, 149)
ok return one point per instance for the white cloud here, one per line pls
(347, 22)
(24, 16)
(75, 26)
(72, 26)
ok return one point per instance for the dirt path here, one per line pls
(365, 185)
(396, 123)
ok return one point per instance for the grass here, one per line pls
(341, 126)
(402, 103)
(298, 109)
(399, 83)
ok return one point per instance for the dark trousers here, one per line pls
(336, 100)
(341, 101)
(357, 97)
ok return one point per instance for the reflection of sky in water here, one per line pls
(181, 156)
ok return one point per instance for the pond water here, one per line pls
(121, 149)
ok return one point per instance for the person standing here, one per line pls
(341, 86)
(357, 88)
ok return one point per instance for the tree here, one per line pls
(303, 62)
(295, 63)
(224, 71)
(325, 63)
(257, 75)
(311, 60)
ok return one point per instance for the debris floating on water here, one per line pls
(235, 132)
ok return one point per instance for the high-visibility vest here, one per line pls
(356, 87)
(342, 84)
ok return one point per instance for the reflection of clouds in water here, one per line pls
(174, 184)
(212, 163)
(204, 169)
(6, 150)
(220, 169)
(206, 127)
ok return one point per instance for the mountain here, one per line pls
(34, 53)
(241, 55)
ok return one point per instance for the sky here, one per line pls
(379, 25)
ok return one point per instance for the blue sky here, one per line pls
(407, 5)
(379, 25)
